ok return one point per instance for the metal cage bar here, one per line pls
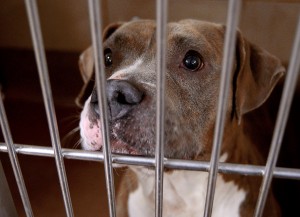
(283, 113)
(227, 65)
(96, 27)
(39, 51)
(10, 147)
(161, 35)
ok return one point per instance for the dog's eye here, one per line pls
(192, 61)
(108, 57)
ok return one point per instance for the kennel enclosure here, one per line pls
(268, 172)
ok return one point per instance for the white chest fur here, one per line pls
(184, 195)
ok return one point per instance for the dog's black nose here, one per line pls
(122, 96)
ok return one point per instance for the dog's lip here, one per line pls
(119, 147)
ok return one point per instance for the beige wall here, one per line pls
(65, 25)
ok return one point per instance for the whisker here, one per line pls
(70, 135)
(77, 144)
(70, 120)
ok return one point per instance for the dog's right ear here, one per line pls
(86, 66)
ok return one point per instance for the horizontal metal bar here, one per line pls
(227, 168)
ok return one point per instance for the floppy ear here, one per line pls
(258, 74)
(86, 66)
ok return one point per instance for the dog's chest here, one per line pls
(184, 195)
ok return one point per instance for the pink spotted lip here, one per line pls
(92, 139)
(91, 134)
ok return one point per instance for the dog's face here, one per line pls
(194, 61)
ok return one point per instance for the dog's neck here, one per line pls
(244, 139)
(180, 199)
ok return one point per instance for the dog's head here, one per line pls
(194, 61)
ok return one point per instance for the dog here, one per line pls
(193, 70)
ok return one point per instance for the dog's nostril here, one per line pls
(129, 96)
(123, 92)
(122, 97)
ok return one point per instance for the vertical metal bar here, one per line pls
(227, 65)
(39, 51)
(284, 109)
(14, 160)
(96, 27)
(7, 206)
(161, 35)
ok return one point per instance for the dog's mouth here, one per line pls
(117, 145)
(120, 147)
(91, 134)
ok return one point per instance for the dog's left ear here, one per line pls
(86, 66)
(258, 74)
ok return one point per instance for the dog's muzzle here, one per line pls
(123, 99)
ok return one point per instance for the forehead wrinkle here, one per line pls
(136, 44)
(120, 39)
(185, 41)
(152, 40)
(128, 32)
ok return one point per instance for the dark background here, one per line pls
(28, 124)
